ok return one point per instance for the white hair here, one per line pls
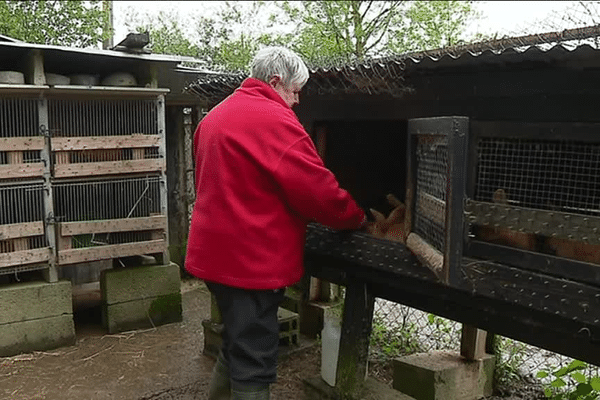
(280, 61)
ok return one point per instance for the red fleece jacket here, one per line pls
(259, 181)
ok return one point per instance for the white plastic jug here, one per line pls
(330, 343)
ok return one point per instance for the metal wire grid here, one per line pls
(102, 117)
(18, 117)
(559, 175)
(410, 330)
(20, 204)
(431, 155)
(107, 199)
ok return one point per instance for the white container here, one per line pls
(330, 343)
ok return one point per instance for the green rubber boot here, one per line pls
(250, 392)
(220, 384)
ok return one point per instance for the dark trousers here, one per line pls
(251, 332)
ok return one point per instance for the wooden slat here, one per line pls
(108, 168)
(21, 143)
(25, 257)
(110, 251)
(104, 142)
(114, 225)
(8, 171)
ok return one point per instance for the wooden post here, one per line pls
(472, 342)
(162, 150)
(354, 341)
(50, 274)
(320, 290)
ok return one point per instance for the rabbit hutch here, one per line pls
(494, 150)
(83, 187)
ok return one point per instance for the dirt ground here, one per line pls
(162, 363)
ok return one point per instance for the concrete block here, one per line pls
(443, 375)
(134, 283)
(316, 389)
(36, 335)
(142, 313)
(289, 329)
(140, 297)
(34, 300)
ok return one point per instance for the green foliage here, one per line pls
(65, 23)
(320, 31)
(387, 343)
(431, 24)
(569, 383)
(347, 30)
(341, 29)
(510, 355)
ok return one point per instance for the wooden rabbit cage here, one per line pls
(83, 175)
(505, 217)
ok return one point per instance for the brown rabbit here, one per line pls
(505, 236)
(392, 227)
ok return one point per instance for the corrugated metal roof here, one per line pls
(387, 74)
(8, 44)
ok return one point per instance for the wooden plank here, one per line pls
(104, 142)
(110, 251)
(9, 171)
(472, 343)
(25, 257)
(21, 143)
(25, 229)
(108, 168)
(154, 222)
(64, 242)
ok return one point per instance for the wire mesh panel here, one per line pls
(536, 187)
(22, 235)
(431, 158)
(104, 136)
(556, 175)
(109, 218)
(102, 117)
(21, 142)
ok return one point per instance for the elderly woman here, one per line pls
(259, 181)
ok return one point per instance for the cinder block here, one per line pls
(142, 313)
(134, 283)
(289, 326)
(140, 297)
(34, 300)
(316, 389)
(443, 375)
(35, 316)
(36, 335)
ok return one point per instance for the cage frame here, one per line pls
(44, 170)
(520, 258)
